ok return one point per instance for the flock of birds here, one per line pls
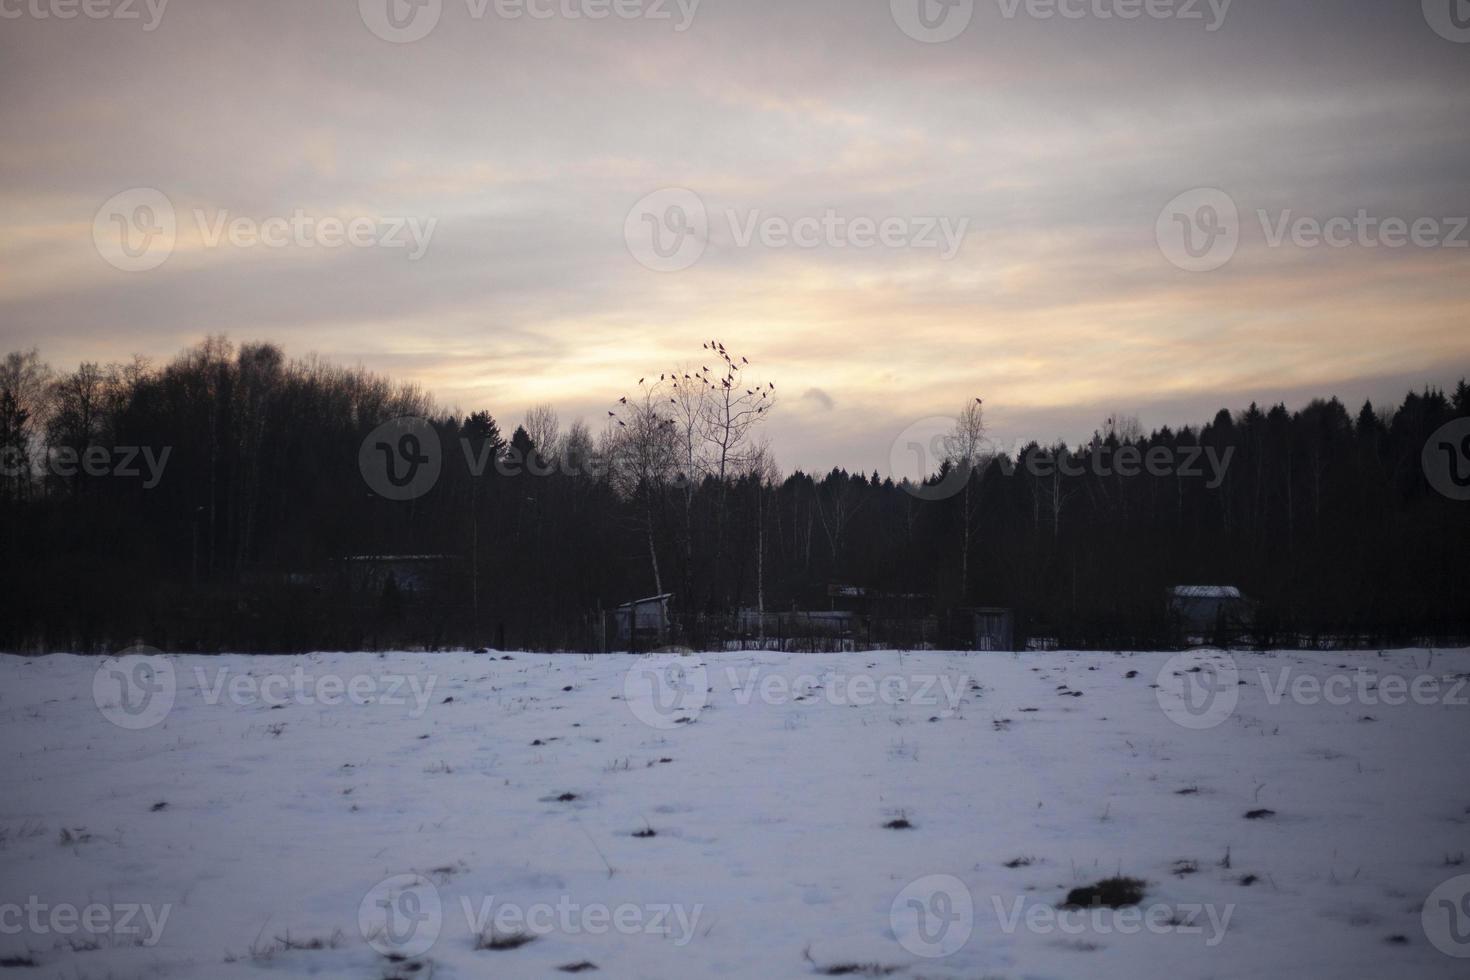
(703, 377)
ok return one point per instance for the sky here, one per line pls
(1071, 208)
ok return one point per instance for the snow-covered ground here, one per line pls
(725, 815)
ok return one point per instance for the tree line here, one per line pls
(232, 499)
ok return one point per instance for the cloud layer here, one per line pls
(1056, 139)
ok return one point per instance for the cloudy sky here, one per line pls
(546, 207)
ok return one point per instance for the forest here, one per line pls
(236, 499)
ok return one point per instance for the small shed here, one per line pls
(643, 622)
(1202, 610)
(994, 628)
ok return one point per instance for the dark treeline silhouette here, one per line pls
(258, 530)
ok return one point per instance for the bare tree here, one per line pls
(1118, 430)
(766, 476)
(28, 379)
(684, 398)
(735, 407)
(842, 502)
(1123, 428)
(260, 368)
(576, 449)
(544, 428)
(25, 403)
(966, 449)
(642, 455)
(732, 412)
(1050, 489)
(706, 419)
(78, 414)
